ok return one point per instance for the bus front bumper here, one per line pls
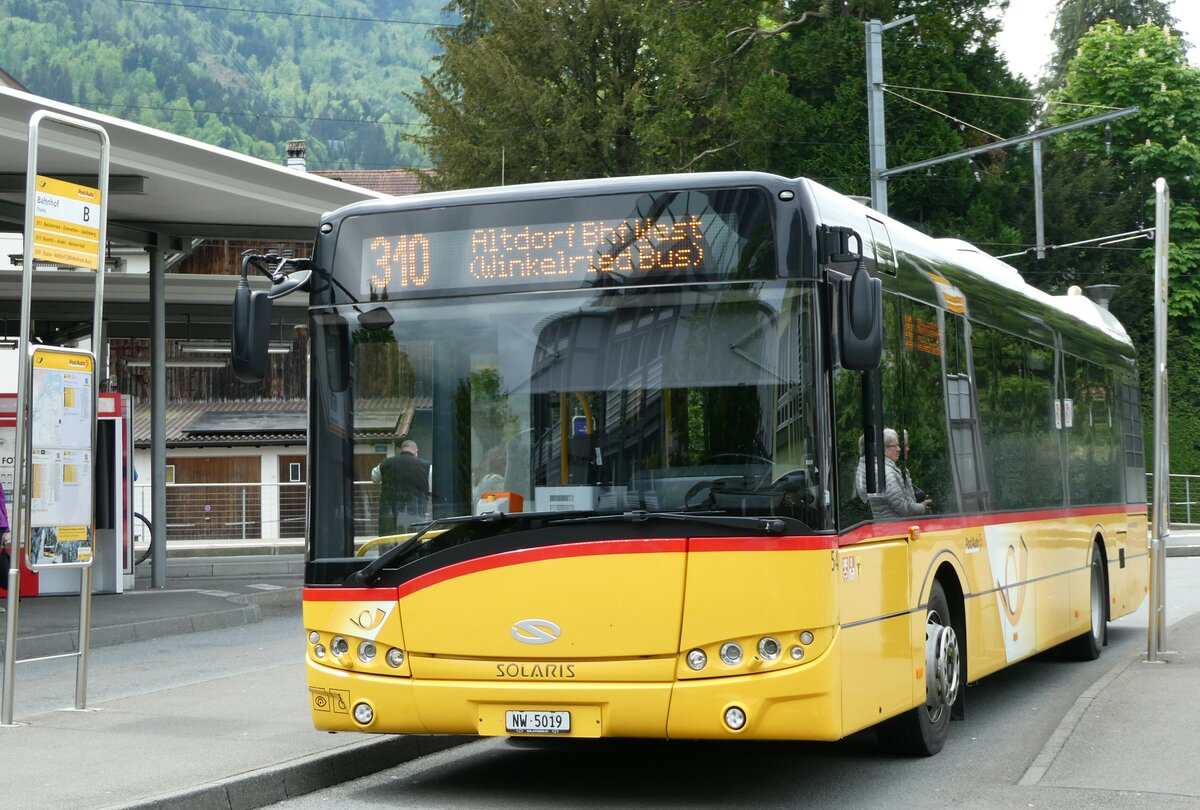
(800, 703)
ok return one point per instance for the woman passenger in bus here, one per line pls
(898, 499)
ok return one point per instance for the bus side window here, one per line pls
(921, 410)
(1018, 416)
(847, 403)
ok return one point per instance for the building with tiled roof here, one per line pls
(397, 182)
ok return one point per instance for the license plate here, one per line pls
(527, 721)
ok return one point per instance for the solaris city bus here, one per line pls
(645, 401)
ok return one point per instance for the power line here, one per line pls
(958, 121)
(1001, 98)
(202, 7)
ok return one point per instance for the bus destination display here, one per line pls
(581, 252)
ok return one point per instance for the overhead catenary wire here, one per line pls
(942, 113)
(1000, 98)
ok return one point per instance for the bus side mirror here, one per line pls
(251, 325)
(861, 300)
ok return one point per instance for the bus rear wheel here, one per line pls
(922, 731)
(1087, 647)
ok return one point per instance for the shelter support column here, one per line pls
(158, 413)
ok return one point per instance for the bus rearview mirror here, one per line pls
(251, 324)
(861, 299)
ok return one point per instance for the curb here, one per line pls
(297, 777)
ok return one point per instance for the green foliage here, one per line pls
(1074, 18)
(1107, 185)
(525, 92)
(333, 73)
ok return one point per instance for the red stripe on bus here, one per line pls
(383, 594)
(899, 527)
(527, 555)
(805, 543)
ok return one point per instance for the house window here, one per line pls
(294, 472)
(170, 476)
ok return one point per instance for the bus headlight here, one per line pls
(363, 714)
(697, 660)
(319, 651)
(768, 648)
(394, 658)
(731, 653)
(339, 646)
(735, 718)
(366, 651)
(314, 637)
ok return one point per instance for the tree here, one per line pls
(1114, 174)
(1075, 18)
(529, 91)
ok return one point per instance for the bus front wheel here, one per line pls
(922, 731)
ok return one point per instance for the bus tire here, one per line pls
(1087, 647)
(922, 731)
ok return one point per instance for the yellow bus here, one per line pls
(710, 456)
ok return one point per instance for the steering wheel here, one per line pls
(700, 486)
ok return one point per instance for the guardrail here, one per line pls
(1183, 496)
(250, 512)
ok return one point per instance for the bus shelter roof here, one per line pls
(165, 193)
(162, 184)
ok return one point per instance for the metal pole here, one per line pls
(19, 516)
(1038, 215)
(158, 416)
(877, 152)
(1187, 494)
(85, 635)
(1160, 527)
(244, 515)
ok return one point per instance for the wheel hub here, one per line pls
(941, 666)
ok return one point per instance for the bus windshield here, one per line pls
(675, 398)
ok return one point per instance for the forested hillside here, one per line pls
(333, 72)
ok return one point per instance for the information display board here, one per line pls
(62, 423)
(66, 223)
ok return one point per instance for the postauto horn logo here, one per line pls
(535, 631)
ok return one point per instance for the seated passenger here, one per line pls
(898, 499)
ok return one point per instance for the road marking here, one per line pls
(225, 594)
(265, 587)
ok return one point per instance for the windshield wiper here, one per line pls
(368, 574)
(769, 525)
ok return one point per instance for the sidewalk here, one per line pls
(1133, 731)
(246, 741)
(235, 742)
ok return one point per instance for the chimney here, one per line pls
(295, 155)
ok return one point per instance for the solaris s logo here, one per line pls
(535, 631)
